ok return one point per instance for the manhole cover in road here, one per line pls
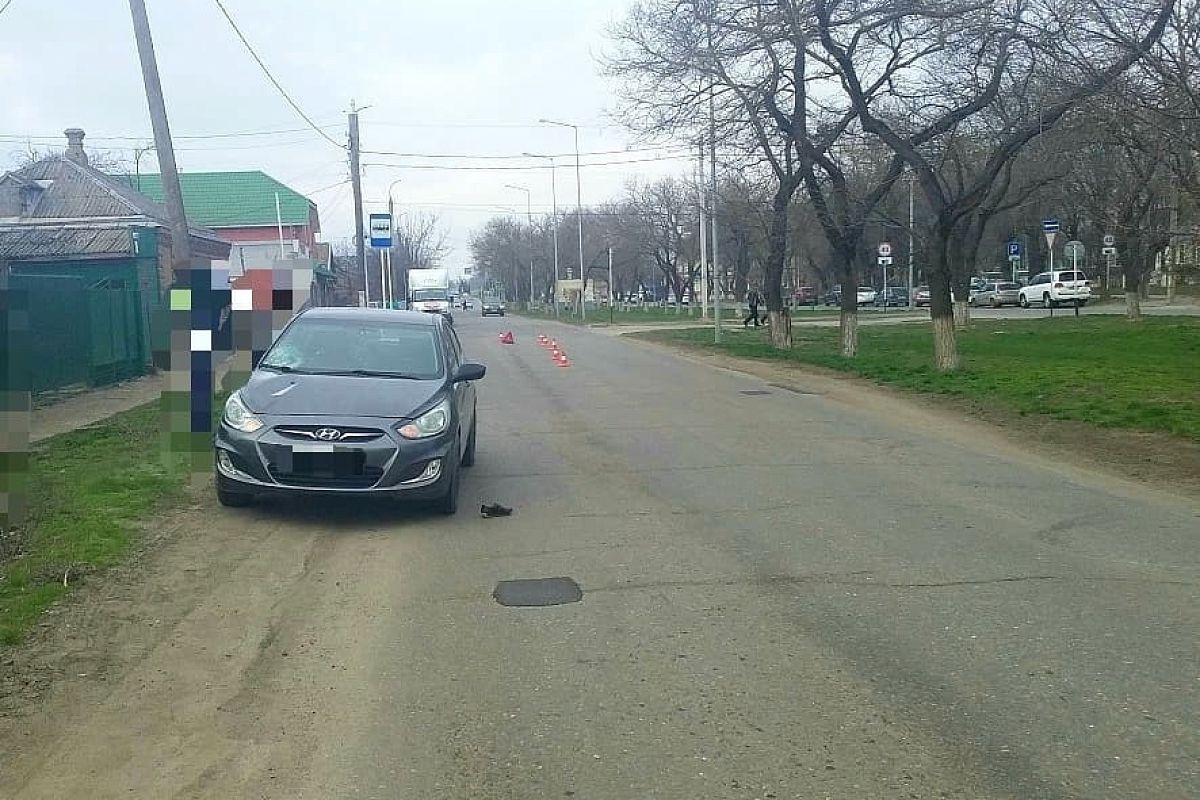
(537, 592)
(753, 392)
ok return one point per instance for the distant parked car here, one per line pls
(834, 296)
(1052, 289)
(806, 296)
(892, 296)
(921, 296)
(866, 295)
(492, 308)
(995, 295)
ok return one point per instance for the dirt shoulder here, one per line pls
(1154, 460)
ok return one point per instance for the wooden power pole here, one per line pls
(181, 245)
(360, 247)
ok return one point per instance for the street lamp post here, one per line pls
(529, 220)
(578, 212)
(554, 215)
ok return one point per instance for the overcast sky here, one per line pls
(470, 77)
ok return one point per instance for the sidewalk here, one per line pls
(89, 407)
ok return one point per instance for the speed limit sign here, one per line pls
(885, 249)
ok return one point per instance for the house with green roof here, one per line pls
(263, 219)
(244, 207)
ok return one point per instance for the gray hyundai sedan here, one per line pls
(353, 401)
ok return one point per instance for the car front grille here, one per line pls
(369, 477)
(308, 433)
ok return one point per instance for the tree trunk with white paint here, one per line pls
(962, 314)
(849, 329)
(1133, 306)
(945, 344)
(780, 328)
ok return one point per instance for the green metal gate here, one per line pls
(82, 331)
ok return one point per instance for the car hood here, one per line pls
(293, 394)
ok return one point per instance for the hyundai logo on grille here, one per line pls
(327, 434)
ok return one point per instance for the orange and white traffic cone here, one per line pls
(562, 361)
(506, 338)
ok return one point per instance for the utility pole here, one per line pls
(1173, 254)
(912, 179)
(181, 245)
(360, 247)
(705, 271)
(610, 286)
(712, 191)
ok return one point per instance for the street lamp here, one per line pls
(554, 213)
(529, 219)
(578, 210)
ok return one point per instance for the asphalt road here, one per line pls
(785, 595)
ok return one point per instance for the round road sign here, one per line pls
(885, 249)
(1109, 240)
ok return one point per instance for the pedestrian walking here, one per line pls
(752, 300)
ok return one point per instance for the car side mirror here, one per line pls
(470, 372)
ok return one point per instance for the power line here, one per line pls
(460, 168)
(525, 157)
(4, 7)
(189, 137)
(295, 106)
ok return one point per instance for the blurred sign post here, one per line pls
(1110, 252)
(1014, 257)
(380, 226)
(885, 261)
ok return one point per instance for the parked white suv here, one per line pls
(1052, 289)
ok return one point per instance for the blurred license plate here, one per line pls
(335, 463)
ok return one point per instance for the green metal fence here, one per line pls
(82, 330)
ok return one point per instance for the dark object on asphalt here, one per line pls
(495, 510)
(353, 401)
(537, 592)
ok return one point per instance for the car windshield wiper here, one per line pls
(375, 373)
(279, 367)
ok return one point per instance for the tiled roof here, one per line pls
(230, 199)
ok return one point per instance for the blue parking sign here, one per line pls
(1014, 249)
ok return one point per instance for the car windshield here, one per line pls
(429, 294)
(357, 346)
(1008, 287)
(1072, 276)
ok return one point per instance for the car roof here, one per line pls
(358, 313)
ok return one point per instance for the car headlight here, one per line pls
(238, 417)
(432, 423)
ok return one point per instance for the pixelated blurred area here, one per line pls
(15, 404)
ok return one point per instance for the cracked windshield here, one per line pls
(604, 399)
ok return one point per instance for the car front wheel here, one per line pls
(468, 457)
(1047, 302)
(1023, 301)
(448, 503)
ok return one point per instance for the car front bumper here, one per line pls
(278, 460)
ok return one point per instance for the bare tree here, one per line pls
(944, 63)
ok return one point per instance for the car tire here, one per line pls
(994, 304)
(468, 457)
(1047, 302)
(448, 503)
(232, 499)
(1023, 301)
